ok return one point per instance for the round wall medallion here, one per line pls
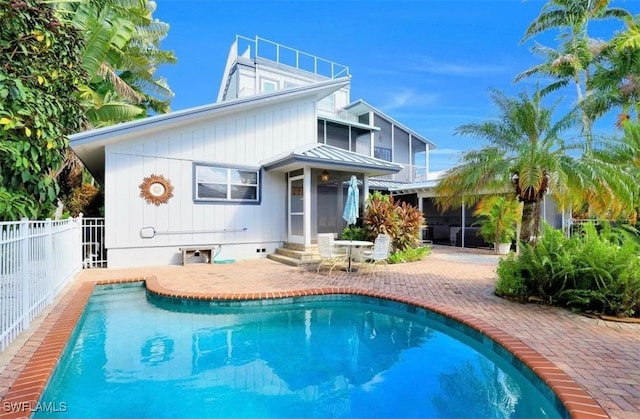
(156, 189)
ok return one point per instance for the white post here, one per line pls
(464, 221)
(24, 270)
(307, 206)
(80, 254)
(48, 259)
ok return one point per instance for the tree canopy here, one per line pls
(39, 104)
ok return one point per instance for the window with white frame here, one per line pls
(226, 184)
(268, 86)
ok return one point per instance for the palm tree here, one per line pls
(572, 62)
(527, 157)
(625, 153)
(616, 80)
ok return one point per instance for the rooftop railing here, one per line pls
(281, 54)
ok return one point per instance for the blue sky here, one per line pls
(427, 63)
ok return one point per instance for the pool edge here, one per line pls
(32, 380)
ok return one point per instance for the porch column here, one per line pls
(464, 223)
(307, 206)
(365, 191)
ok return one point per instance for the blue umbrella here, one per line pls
(350, 213)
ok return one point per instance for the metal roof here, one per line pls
(330, 157)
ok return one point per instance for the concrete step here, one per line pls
(301, 247)
(291, 261)
(297, 254)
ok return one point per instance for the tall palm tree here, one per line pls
(572, 62)
(616, 80)
(526, 156)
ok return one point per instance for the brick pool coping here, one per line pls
(25, 392)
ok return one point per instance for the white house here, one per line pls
(265, 165)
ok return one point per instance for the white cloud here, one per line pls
(429, 65)
(407, 97)
(445, 151)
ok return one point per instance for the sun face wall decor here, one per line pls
(156, 190)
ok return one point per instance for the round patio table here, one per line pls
(350, 244)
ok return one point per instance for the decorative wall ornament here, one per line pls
(156, 190)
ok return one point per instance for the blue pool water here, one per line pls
(134, 355)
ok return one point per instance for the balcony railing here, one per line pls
(409, 174)
(339, 114)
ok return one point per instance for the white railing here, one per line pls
(37, 259)
(339, 114)
(281, 54)
(408, 174)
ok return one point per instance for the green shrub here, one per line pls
(596, 270)
(510, 282)
(353, 233)
(411, 254)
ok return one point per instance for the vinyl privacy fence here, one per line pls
(37, 259)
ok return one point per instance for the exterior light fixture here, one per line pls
(324, 176)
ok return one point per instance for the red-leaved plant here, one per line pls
(401, 221)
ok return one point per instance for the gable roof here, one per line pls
(90, 145)
(360, 106)
(325, 156)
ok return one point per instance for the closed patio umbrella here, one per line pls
(350, 213)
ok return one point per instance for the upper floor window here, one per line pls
(328, 104)
(268, 86)
(382, 153)
(230, 184)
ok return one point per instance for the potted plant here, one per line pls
(499, 216)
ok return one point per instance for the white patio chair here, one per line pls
(330, 255)
(380, 252)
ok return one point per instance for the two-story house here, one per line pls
(266, 164)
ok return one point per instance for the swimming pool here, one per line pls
(139, 355)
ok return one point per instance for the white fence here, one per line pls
(37, 259)
(94, 254)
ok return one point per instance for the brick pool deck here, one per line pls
(602, 357)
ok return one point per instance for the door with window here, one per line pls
(296, 210)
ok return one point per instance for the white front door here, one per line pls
(296, 210)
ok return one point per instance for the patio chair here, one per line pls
(330, 255)
(380, 252)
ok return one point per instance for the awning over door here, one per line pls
(323, 156)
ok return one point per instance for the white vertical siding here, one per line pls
(245, 139)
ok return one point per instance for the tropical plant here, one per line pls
(573, 61)
(499, 216)
(616, 80)
(401, 221)
(39, 104)
(526, 155)
(410, 254)
(411, 224)
(121, 56)
(380, 216)
(596, 270)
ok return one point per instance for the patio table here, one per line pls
(350, 244)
